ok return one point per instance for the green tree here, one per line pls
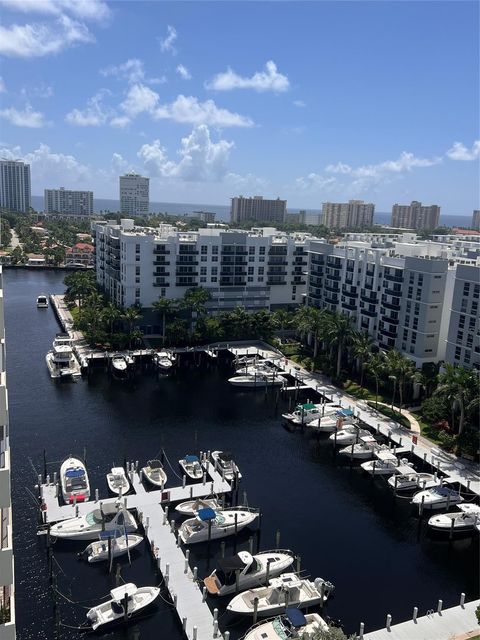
(111, 314)
(362, 350)
(165, 307)
(339, 333)
(460, 387)
(332, 633)
(376, 368)
(131, 315)
(311, 321)
(282, 319)
(195, 300)
(79, 285)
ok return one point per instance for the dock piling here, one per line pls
(439, 607)
(222, 547)
(184, 624)
(415, 614)
(204, 594)
(462, 600)
(184, 481)
(194, 636)
(195, 573)
(299, 563)
(277, 539)
(389, 621)
(361, 630)
(255, 610)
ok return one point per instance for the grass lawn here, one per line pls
(363, 393)
(394, 415)
(426, 429)
(75, 311)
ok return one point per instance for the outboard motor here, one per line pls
(327, 586)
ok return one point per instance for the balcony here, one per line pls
(386, 332)
(161, 252)
(274, 281)
(161, 262)
(389, 305)
(332, 289)
(367, 312)
(272, 261)
(389, 319)
(161, 273)
(369, 299)
(186, 273)
(161, 284)
(317, 262)
(187, 252)
(315, 296)
(301, 263)
(392, 292)
(333, 276)
(276, 272)
(348, 305)
(393, 278)
(182, 283)
(186, 262)
(331, 300)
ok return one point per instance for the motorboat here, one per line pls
(384, 466)
(111, 517)
(259, 368)
(412, 481)
(467, 519)
(216, 524)
(327, 424)
(257, 381)
(61, 360)
(191, 467)
(42, 302)
(164, 360)
(119, 364)
(154, 473)
(126, 602)
(117, 481)
(304, 413)
(285, 590)
(292, 625)
(74, 481)
(438, 497)
(349, 434)
(98, 551)
(363, 450)
(225, 465)
(252, 570)
(190, 507)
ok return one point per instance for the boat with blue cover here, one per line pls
(74, 480)
(292, 625)
(216, 524)
(191, 467)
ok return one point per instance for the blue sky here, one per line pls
(309, 101)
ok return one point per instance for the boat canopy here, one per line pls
(76, 472)
(206, 514)
(345, 412)
(119, 593)
(191, 459)
(296, 617)
(118, 471)
(307, 406)
(233, 563)
(155, 464)
(226, 456)
(114, 533)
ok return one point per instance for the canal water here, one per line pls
(346, 528)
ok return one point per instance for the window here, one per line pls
(137, 280)
(213, 279)
(428, 351)
(203, 279)
(162, 293)
(250, 279)
(437, 277)
(262, 251)
(137, 248)
(251, 250)
(214, 258)
(294, 289)
(260, 278)
(262, 258)
(203, 258)
(405, 334)
(251, 271)
(203, 271)
(214, 271)
(412, 278)
(261, 271)
(137, 271)
(251, 258)
(215, 249)
(204, 248)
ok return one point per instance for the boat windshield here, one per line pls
(94, 517)
(280, 629)
(76, 483)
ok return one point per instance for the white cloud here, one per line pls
(340, 167)
(183, 72)
(248, 182)
(188, 109)
(120, 122)
(167, 43)
(132, 70)
(26, 118)
(268, 80)
(83, 9)
(119, 163)
(3, 88)
(139, 98)
(315, 181)
(41, 91)
(95, 114)
(200, 159)
(299, 103)
(405, 162)
(460, 152)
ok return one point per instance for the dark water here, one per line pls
(346, 528)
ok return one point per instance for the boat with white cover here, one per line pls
(257, 381)
(164, 360)
(154, 473)
(252, 570)
(220, 524)
(467, 519)
(119, 363)
(106, 517)
(190, 507)
(280, 593)
(117, 481)
(191, 467)
(384, 466)
(126, 602)
(363, 450)
(438, 497)
(225, 465)
(74, 481)
(349, 434)
(412, 481)
(304, 413)
(292, 625)
(42, 302)
(61, 360)
(119, 545)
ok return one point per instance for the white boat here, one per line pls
(414, 480)
(190, 507)
(117, 480)
(363, 450)
(384, 466)
(98, 551)
(164, 360)
(61, 360)
(304, 413)
(349, 434)
(191, 467)
(467, 519)
(108, 517)
(225, 465)
(42, 302)
(253, 571)
(154, 473)
(437, 497)
(293, 625)
(280, 593)
(119, 364)
(74, 481)
(257, 381)
(220, 523)
(125, 603)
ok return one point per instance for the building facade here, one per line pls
(81, 254)
(354, 214)
(66, 202)
(258, 209)
(134, 195)
(7, 579)
(463, 343)
(476, 220)
(205, 216)
(15, 185)
(415, 216)
(258, 269)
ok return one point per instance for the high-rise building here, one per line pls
(134, 195)
(204, 216)
(415, 216)
(463, 342)
(7, 580)
(476, 220)
(354, 214)
(258, 209)
(75, 203)
(15, 186)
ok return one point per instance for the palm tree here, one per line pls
(339, 333)
(195, 300)
(362, 350)
(111, 313)
(376, 368)
(131, 315)
(282, 319)
(459, 386)
(164, 306)
(401, 371)
(311, 321)
(80, 285)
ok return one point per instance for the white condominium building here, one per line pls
(15, 185)
(258, 208)
(463, 344)
(7, 603)
(258, 269)
(348, 215)
(64, 201)
(415, 216)
(134, 195)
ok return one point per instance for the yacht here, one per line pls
(350, 434)
(292, 625)
(74, 481)
(154, 473)
(61, 360)
(438, 497)
(98, 551)
(225, 465)
(363, 450)
(107, 517)
(190, 507)
(467, 519)
(117, 481)
(257, 381)
(42, 302)
(412, 481)
(191, 467)
(125, 603)
(384, 466)
(220, 524)
(164, 360)
(304, 413)
(119, 364)
(286, 590)
(252, 570)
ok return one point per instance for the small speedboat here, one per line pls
(412, 481)
(467, 519)
(363, 450)
(349, 434)
(439, 497)
(252, 571)
(108, 517)
(164, 360)
(125, 603)
(384, 467)
(117, 481)
(225, 465)
(98, 551)
(220, 524)
(286, 590)
(191, 467)
(292, 625)
(304, 413)
(154, 473)
(42, 302)
(119, 364)
(74, 481)
(190, 507)
(257, 381)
